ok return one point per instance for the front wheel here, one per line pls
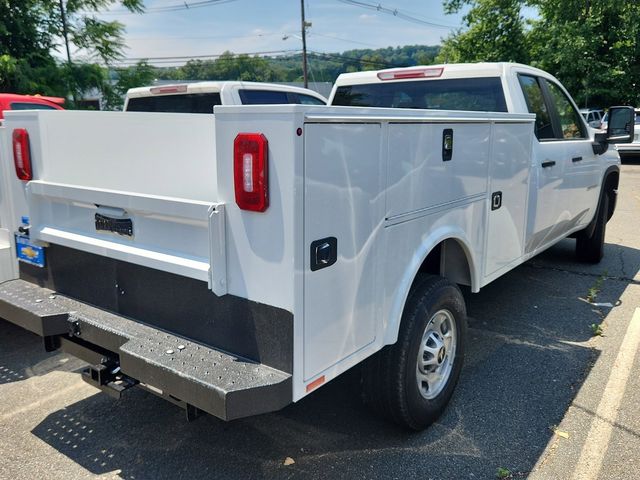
(412, 381)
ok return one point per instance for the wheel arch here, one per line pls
(446, 253)
(610, 184)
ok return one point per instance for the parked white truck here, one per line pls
(201, 97)
(235, 263)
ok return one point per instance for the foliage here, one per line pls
(593, 48)
(138, 75)
(31, 30)
(503, 473)
(495, 31)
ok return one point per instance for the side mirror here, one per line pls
(621, 125)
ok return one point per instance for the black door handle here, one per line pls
(549, 163)
(576, 159)
(324, 253)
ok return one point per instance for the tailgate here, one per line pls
(137, 187)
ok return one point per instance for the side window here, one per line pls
(309, 100)
(535, 104)
(30, 106)
(263, 97)
(569, 117)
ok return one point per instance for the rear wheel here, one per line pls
(590, 249)
(412, 381)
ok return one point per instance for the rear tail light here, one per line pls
(22, 154)
(251, 171)
(410, 73)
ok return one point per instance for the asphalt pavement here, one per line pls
(540, 396)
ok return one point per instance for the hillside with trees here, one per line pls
(323, 67)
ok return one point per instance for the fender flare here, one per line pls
(589, 229)
(399, 299)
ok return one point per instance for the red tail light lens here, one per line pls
(251, 171)
(22, 154)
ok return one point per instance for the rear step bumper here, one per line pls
(211, 380)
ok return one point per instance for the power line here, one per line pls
(184, 58)
(316, 34)
(169, 8)
(342, 57)
(203, 37)
(396, 13)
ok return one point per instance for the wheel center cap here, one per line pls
(441, 354)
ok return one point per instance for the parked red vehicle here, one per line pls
(13, 101)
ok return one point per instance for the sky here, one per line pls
(211, 27)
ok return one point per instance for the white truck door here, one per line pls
(509, 177)
(343, 215)
(582, 169)
(548, 212)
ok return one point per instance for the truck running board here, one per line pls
(124, 352)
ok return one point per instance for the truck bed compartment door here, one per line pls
(509, 174)
(343, 215)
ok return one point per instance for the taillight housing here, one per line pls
(251, 171)
(22, 154)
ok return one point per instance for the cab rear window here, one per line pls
(472, 94)
(189, 103)
(274, 97)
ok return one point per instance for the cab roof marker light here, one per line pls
(169, 89)
(412, 73)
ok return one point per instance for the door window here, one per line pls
(570, 123)
(535, 104)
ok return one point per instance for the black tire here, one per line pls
(590, 249)
(390, 381)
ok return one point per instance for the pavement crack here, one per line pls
(624, 278)
(622, 264)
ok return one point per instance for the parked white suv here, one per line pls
(592, 116)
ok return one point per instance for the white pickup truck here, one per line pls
(235, 263)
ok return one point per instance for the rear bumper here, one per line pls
(222, 384)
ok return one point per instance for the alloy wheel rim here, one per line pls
(436, 354)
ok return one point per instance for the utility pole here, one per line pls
(65, 33)
(304, 46)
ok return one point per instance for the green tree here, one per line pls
(592, 47)
(494, 31)
(31, 30)
(139, 75)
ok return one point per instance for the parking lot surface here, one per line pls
(540, 396)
